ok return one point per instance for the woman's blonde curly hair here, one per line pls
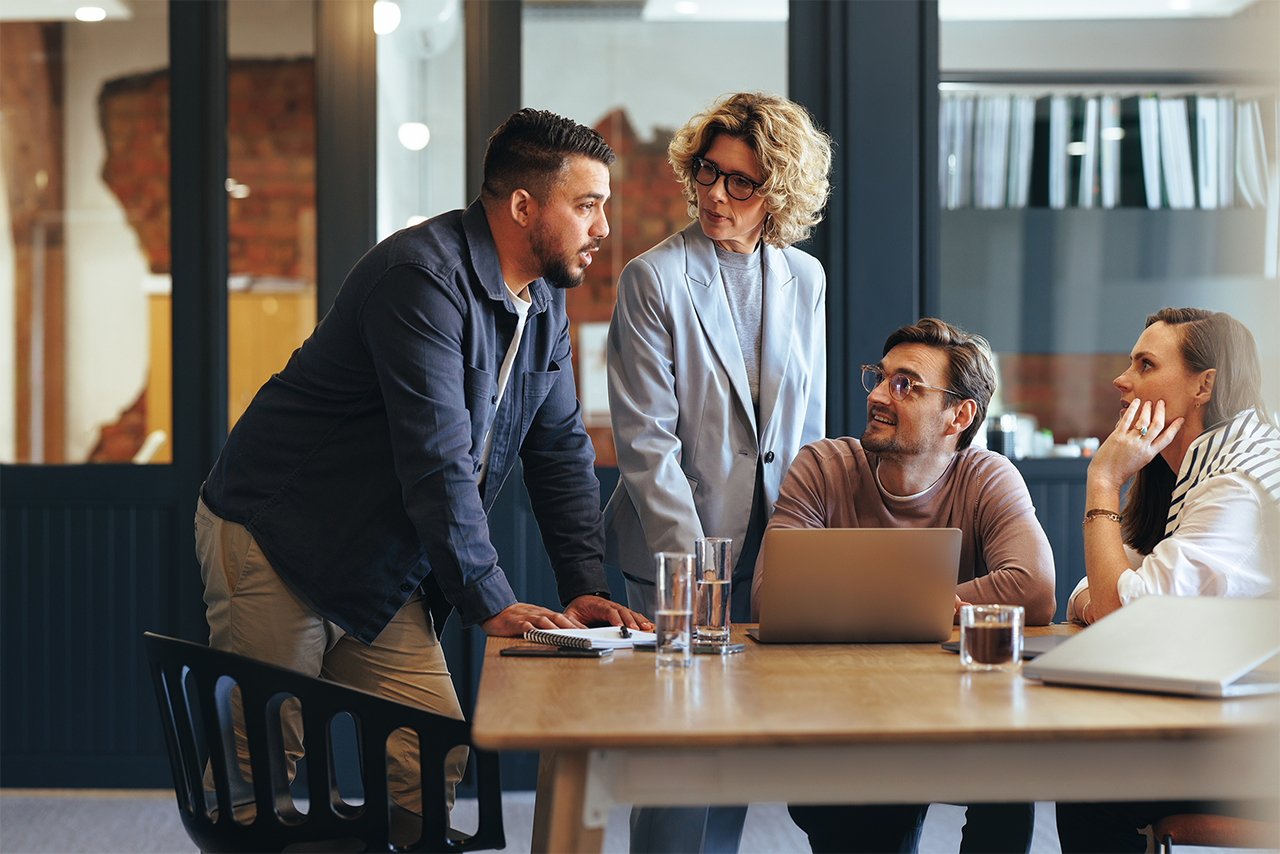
(794, 154)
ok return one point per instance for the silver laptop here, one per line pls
(858, 585)
(1197, 645)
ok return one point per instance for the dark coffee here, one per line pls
(990, 644)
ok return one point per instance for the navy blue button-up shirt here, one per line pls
(356, 467)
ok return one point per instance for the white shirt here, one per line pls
(522, 308)
(1227, 544)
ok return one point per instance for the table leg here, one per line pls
(558, 807)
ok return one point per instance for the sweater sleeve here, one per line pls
(1014, 548)
(802, 503)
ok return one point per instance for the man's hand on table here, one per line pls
(514, 620)
(598, 610)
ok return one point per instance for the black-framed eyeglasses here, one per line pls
(738, 186)
(900, 385)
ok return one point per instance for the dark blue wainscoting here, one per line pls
(1057, 489)
(83, 576)
(91, 558)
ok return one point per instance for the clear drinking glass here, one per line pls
(714, 574)
(674, 611)
(990, 637)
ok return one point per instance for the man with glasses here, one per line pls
(914, 468)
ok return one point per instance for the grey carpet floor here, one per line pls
(114, 822)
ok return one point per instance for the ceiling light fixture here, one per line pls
(386, 17)
(91, 13)
(414, 135)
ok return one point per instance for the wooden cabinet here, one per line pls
(264, 327)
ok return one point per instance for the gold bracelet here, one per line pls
(1101, 514)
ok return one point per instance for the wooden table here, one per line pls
(850, 724)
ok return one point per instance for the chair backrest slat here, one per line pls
(272, 821)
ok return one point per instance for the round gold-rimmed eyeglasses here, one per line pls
(900, 385)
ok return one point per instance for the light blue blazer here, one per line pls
(683, 422)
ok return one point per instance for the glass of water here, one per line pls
(714, 574)
(674, 609)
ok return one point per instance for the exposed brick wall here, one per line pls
(31, 153)
(1070, 393)
(645, 207)
(270, 149)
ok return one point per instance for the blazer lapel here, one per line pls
(706, 291)
(777, 316)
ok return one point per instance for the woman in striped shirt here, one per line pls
(1201, 518)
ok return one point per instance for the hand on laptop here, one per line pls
(959, 603)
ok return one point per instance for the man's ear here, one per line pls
(962, 415)
(524, 207)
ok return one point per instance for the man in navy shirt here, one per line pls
(348, 510)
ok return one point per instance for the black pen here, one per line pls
(624, 631)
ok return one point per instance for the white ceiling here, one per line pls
(774, 10)
(60, 10)
(1045, 10)
(960, 10)
(715, 10)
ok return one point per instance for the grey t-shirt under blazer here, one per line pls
(743, 274)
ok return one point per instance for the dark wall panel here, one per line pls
(81, 582)
(1057, 489)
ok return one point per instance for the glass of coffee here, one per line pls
(990, 637)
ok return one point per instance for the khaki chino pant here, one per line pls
(252, 613)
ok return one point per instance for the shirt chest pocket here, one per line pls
(537, 385)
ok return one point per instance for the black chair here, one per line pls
(194, 689)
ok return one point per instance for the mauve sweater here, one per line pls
(1004, 554)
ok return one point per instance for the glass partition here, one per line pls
(85, 227)
(1092, 172)
(421, 116)
(86, 254)
(639, 71)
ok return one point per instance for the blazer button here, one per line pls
(768, 457)
(406, 587)
(493, 399)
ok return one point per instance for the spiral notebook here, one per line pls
(605, 637)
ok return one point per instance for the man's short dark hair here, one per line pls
(971, 372)
(529, 151)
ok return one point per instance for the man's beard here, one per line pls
(881, 446)
(892, 447)
(557, 271)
